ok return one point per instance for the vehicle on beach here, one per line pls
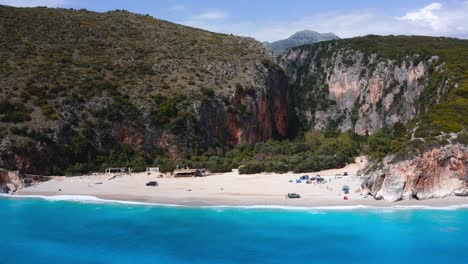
(293, 196)
(304, 178)
(152, 183)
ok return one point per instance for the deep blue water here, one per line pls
(39, 231)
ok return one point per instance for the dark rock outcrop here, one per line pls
(10, 182)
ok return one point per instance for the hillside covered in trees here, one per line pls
(81, 91)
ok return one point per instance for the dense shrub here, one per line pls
(208, 92)
(219, 165)
(16, 117)
(462, 138)
(379, 145)
(166, 108)
(14, 113)
(252, 167)
(6, 107)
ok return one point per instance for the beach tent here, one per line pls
(298, 181)
(345, 188)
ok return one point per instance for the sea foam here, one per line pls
(93, 199)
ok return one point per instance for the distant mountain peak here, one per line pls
(304, 33)
(311, 33)
(299, 38)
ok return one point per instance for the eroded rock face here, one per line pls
(355, 91)
(436, 173)
(249, 115)
(10, 182)
(152, 87)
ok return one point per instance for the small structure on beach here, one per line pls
(152, 169)
(115, 170)
(187, 173)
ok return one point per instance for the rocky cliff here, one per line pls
(413, 88)
(10, 182)
(358, 91)
(78, 87)
(436, 173)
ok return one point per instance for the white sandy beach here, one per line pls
(227, 189)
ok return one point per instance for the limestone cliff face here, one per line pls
(353, 90)
(10, 182)
(436, 173)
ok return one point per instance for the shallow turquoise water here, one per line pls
(39, 231)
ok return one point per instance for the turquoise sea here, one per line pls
(41, 231)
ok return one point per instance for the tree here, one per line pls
(379, 145)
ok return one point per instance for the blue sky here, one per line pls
(272, 20)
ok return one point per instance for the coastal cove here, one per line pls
(198, 132)
(55, 230)
(228, 189)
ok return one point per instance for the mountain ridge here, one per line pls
(298, 39)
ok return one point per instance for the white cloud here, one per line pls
(426, 16)
(33, 3)
(432, 20)
(211, 15)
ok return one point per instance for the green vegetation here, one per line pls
(441, 108)
(165, 108)
(13, 113)
(311, 152)
(84, 85)
(86, 90)
(78, 54)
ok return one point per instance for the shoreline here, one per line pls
(447, 203)
(231, 189)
